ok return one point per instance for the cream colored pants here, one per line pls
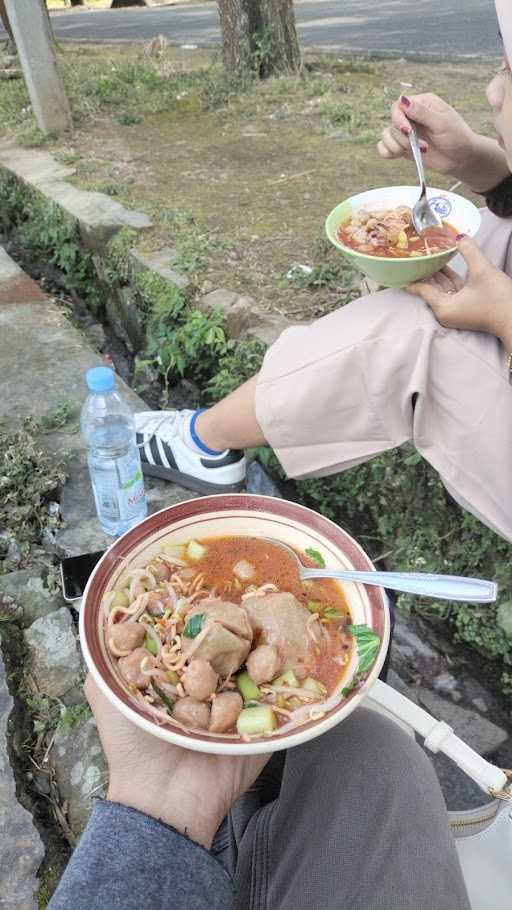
(382, 371)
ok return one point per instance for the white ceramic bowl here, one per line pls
(212, 516)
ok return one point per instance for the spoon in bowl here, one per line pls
(422, 215)
(443, 587)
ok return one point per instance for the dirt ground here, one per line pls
(243, 187)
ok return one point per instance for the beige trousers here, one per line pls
(381, 371)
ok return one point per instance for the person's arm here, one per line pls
(448, 143)
(128, 859)
(148, 844)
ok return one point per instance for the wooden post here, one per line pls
(33, 35)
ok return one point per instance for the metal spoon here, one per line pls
(422, 215)
(443, 587)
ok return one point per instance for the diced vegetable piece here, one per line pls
(162, 695)
(287, 678)
(244, 570)
(150, 645)
(332, 614)
(313, 685)
(120, 599)
(256, 721)
(402, 242)
(247, 687)
(195, 550)
(175, 549)
(173, 677)
(194, 625)
(316, 606)
(315, 556)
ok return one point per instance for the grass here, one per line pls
(239, 176)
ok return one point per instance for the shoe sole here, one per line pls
(190, 482)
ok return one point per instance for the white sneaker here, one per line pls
(164, 454)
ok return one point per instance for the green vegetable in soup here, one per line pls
(313, 685)
(195, 550)
(316, 606)
(315, 556)
(332, 614)
(256, 721)
(194, 625)
(150, 645)
(120, 599)
(368, 644)
(287, 678)
(247, 687)
(162, 696)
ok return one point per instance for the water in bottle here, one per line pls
(114, 460)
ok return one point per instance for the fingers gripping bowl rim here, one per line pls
(230, 514)
(393, 272)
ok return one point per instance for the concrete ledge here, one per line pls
(98, 216)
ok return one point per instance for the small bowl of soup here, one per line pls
(374, 232)
(197, 627)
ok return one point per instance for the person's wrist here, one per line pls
(191, 815)
(484, 165)
(506, 337)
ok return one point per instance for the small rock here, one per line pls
(95, 334)
(160, 263)
(21, 848)
(269, 329)
(185, 394)
(259, 481)
(53, 659)
(81, 772)
(241, 312)
(27, 591)
(447, 685)
(410, 650)
(479, 704)
(484, 736)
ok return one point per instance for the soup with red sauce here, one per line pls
(390, 234)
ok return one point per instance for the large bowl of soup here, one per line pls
(197, 627)
(374, 232)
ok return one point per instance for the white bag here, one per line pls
(483, 836)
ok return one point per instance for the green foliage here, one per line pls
(29, 481)
(241, 363)
(74, 716)
(45, 231)
(195, 344)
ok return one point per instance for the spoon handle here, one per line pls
(444, 587)
(418, 158)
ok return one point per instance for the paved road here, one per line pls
(445, 27)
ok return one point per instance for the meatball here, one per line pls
(125, 636)
(200, 680)
(263, 664)
(192, 713)
(130, 668)
(160, 570)
(225, 710)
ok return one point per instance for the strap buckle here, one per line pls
(506, 794)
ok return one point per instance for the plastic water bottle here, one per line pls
(114, 460)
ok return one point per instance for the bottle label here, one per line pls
(131, 485)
